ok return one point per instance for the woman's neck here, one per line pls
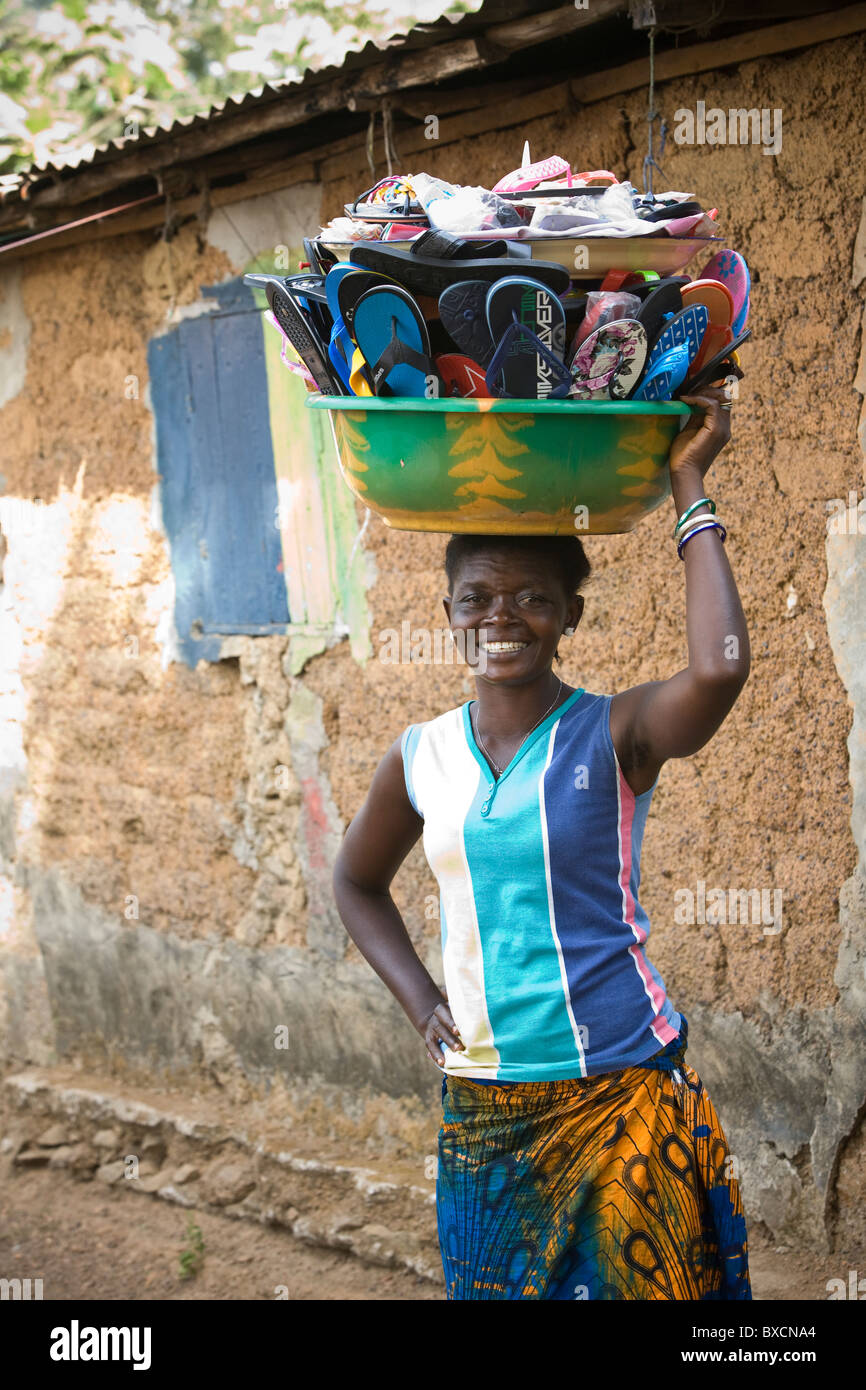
(508, 711)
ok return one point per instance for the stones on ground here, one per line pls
(171, 1194)
(33, 1158)
(61, 1157)
(153, 1149)
(227, 1182)
(154, 1182)
(185, 1173)
(53, 1137)
(378, 1244)
(111, 1172)
(13, 1143)
(83, 1160)
(106, 1139)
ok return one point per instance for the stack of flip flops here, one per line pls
(458, 314)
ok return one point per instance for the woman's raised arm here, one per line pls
(674, 718)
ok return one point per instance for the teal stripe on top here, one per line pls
(408, 745)
(523, 978)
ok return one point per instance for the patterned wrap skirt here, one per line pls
(617, 1186)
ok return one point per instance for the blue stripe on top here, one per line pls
(538, 877)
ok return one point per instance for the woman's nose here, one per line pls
(500, 606)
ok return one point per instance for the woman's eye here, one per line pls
(533, 598)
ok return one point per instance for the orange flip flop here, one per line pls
(719, 303)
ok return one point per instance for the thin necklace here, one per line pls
(525, 736)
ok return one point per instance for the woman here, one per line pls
(579, 1154)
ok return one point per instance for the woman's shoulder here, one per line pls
(447, 717)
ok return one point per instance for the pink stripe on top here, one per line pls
(660, 1026)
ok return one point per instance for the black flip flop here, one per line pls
(527, 323)
(463, 311)
(301, 333)
(718, 367)
(320, 260)
(311, 284)
(531, 195)
(307, 293)
(644, 288)
(447, 246)
(664, 214)
(424, 275)
(664, 300)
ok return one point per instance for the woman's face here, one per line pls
(514, 605)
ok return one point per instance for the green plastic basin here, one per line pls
(504, 466)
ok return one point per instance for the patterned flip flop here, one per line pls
(608, 364)
(461, 376)
(730, 267)
(527, 323)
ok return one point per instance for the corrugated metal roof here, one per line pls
(419, 36)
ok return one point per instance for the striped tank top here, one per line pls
(542, 931)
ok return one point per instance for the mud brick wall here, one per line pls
(136, 779)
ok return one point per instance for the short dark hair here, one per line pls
(565, 554)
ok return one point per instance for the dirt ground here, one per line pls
(86, 1241)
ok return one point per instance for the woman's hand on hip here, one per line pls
(440, 1027)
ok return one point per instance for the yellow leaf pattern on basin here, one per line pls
(644, 442)
(354, 445)
(489, 442)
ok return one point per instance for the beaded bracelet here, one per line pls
(702, 502)
(708, 524)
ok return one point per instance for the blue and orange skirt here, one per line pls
(618, 1186)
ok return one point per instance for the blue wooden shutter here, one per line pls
(219, 495)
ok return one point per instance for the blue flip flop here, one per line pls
(665, 375)
(390, 331)
(685, 329)
(340, 346)
(527, 322)
(349, 289)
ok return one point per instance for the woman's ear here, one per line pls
(446, 604)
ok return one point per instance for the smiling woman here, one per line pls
(579, 1155)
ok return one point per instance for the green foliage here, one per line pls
(192, 1256)
(74, 73)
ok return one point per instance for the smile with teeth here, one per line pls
(503, 646)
